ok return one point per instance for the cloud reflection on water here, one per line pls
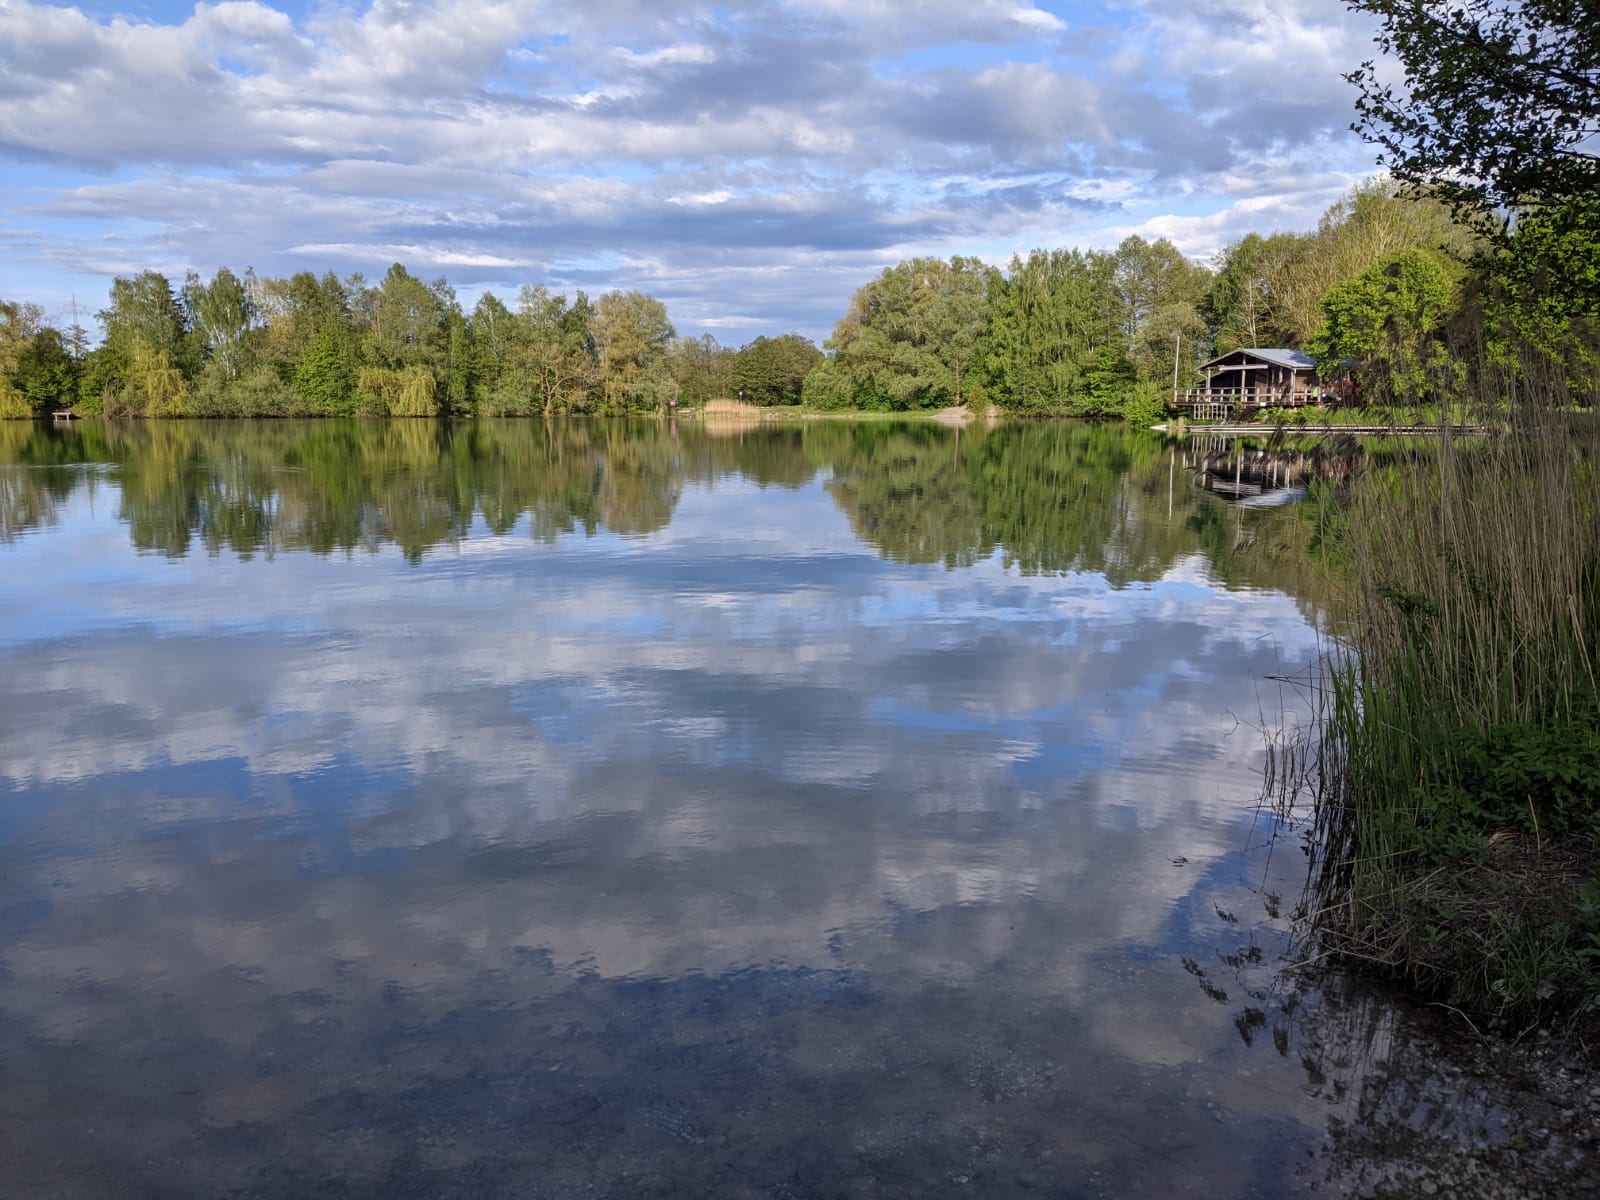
(636, 846)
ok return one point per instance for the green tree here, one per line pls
(144, 310)
(912, 336)
(1500, 102)
(406, 327)
(144, 321)
(156, 385)
(1268, 291)
(1389, 318)
(703, 369)
(46, 374)
(1056, 341)
(828, 386)
(19, 327)
(1542, 296)
(1160, 293)
(397, 391)
(1246, 302)
(1498, 113)
(222, 314)
(773, 370)
(631, 333)
(324, 373)
(460, 382)
(551, 362)
(1371, 225)
(491, 336)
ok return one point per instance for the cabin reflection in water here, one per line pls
(1228, 468)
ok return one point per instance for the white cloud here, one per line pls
(667, 55)
(503, 135)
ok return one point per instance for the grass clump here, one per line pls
(1462, 750)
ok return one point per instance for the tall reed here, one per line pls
(1461, 747)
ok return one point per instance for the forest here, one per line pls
(1389, 281)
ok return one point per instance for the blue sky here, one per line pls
(749, 163)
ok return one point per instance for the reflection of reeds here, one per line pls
(1460, 765)
(729, 418)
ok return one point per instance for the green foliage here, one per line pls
(912, 337)
(13, 406)
(1542, 778)
(260, 392)
(551, 360)
(145, 313)
(19, 328)
(405, 321)
(1081, 334)
(491, 335)
(1055, 346)
(1498, 113)
(396, 392)
(1464, 762)
(703, 369)
(46, 375)
(1062, 333)
(1249, 300)
(1543, 295)
(828, 387)
(631, 334)
(100, 376)
(154, 386)
(1145, 404)
(325, 375)
(1389, 319)
(773, 370)
(459, 378)
(1160, 292)
(222, 314)
(653, 389)
(1269, 291)
(1500, 101)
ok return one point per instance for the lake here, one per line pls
(810, 810)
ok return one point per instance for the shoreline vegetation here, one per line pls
(1456, 769)
(1452, 766)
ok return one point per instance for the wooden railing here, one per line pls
(1252, 397)
(1218, 404)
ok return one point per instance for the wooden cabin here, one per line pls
(1253, 378)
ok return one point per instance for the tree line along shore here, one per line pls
(1389, 280)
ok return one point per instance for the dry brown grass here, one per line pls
(1489, 935)
(723, 406)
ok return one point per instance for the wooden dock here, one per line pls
(1247, 429)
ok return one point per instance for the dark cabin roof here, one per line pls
(1295, 360)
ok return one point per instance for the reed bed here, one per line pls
(1460, 763)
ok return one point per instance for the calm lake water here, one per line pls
(628, 810)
